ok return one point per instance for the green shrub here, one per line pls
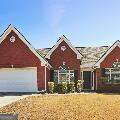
(79, 85)
(51, 87)
(56, 87)
(71, 87)
(80, 81)
(62, 87)
(79, 88)
(59, 88)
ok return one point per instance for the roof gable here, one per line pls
(97, 64)
(12, 28)
(63, 38)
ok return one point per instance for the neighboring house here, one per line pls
(26, 69)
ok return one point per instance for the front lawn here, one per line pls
(67, 107)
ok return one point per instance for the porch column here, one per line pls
(93, 80)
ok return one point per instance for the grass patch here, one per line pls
(67, 107)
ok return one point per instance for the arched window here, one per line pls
(63, 74)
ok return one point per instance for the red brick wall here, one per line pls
(98, 72)
(68, 56)
(98, 75)
(19, 55)
(109, 87)
(107, 63)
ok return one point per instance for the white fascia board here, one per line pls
(73, 48)
(69, 44)
(97, 64)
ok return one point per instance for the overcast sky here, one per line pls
(83, 22)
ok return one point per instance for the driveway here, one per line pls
(8, 99)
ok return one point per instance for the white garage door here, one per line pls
(18, 80)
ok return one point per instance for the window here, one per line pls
(63, 74)
(113, 74)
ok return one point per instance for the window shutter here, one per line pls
(75, 76)
(102, 72)
(51, 75)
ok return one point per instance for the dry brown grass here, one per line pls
(67, 107)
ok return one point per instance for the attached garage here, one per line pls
(22, 68)
(18, 79)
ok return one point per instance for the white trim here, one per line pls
(9, 29)
(117, 43)
(22, 68)
(110, 73)
(82, 78)
(96, 81)
(58, 76)
(45, 79)
(93, 80)
(69, 44)
(69, 76)
(82, 75)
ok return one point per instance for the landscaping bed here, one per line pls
(91, 106)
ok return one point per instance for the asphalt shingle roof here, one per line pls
(90, 54)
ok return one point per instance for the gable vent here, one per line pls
(12, 39)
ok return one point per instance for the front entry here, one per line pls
(87, 80)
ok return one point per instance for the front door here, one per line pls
(87, 79)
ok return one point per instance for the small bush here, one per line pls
(59, 88)
(80, 81)
(79, 88)
(79, 85)
(56, 87)
(71, 87)
(62, 87)
(51, 87)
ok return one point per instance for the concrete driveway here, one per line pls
(8, 99)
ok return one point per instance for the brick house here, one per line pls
(26, 69)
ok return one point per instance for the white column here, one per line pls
(93, 80)
(82, 78)
(69, 76)
(58, 76)
(82, 75)
(110, 73)
(96, 81)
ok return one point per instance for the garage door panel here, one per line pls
(16, 88)
(18, 80)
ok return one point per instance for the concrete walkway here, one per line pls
(5, 100)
